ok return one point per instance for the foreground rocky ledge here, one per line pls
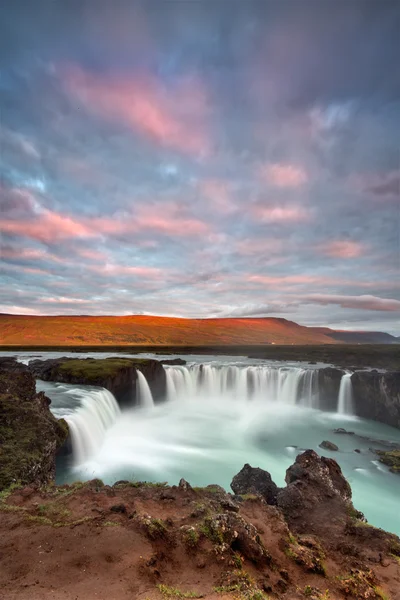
(152, 541)
(29, 434)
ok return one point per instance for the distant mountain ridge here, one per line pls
(358, 337)
(141, 330)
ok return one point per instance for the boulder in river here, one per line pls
(343, 431)
(327, 445)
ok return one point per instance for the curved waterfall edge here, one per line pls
(294, 386)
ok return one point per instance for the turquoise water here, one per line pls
(207, 439)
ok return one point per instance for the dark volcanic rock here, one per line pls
(252, 480)
(377, 396)
(29, 434)
(329, 384)
(173, 361)
(315, 488)
(343, 431)
(328, 446)
(118, 375)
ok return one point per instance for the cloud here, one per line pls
(172, 116)
(218, 194)
(47, 227)
(251, 310)
(383, 186)
(281, 214)
(342, 249)
(284, 175)
(357, 302)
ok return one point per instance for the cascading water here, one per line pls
(288, 385)
(345, 399)
(88, 424)
(143, 391)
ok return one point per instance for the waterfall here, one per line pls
(143, 391)
(288, 385)
(88, 424)
(345, 399)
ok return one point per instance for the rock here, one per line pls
(252, 480)
(184, 485)
(173, 361)
(357, 450)
(315, 488)
(30, 435)
(119, 508)
(343, 431)
(231, 530)
(377, 396)
(116, 374)
(391, 458)
(328, 446)
(329, 384)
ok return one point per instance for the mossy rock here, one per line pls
(29, 434)
(391, 458)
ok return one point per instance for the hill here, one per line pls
(138, 330)
(358, 337)
(149, 330)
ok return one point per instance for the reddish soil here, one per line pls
(72, 543)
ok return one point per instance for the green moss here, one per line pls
(237, 560)
(210, 531)
(391, 458)
(8, 491)
(110, 524)
(156, 528)
(381, 594)
(171, 592)
(191, 537)
(94, 370)
(250, 497)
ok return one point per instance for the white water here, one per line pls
(287, 385)
(143, 391)
(345, 400)
(88, 424)
(220, 416)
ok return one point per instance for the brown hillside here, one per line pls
(149, 330)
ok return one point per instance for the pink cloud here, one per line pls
(29, 254)
(257, 246)
(284, 279)
(91, 254)
(280, 214)
(113, 269)
(284, 175)
(172, 117)
(343, 249)
(217, 192)
(47, 227)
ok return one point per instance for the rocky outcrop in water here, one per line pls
(252, 480)
(118, 375)
(329, 384)
(377, 396)
(29, 434)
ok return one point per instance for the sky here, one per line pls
(201, 158)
